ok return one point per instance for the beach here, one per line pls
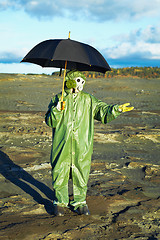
(124, 184)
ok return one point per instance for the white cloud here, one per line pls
(12, 55)
(144, 8)
(136, 51)
(99, 10)
(25, 68)
(139, 44)
(5, 4)
(150, 34)
(9, 57)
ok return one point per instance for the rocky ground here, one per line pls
(124, 185)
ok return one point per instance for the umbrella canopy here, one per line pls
(55, 53)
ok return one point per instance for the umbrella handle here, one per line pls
(62, 102)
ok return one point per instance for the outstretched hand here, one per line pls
(125, 108)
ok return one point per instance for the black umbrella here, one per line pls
(67, 54)
(55, 52)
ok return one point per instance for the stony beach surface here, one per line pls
(124, 185)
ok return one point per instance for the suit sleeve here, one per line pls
(53, 115)
(104, 112)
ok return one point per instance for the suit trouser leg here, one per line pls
(80, 180)
(60, 185)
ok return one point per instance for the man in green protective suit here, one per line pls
(72, 146)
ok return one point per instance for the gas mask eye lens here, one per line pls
(78, 80)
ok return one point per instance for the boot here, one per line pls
(83, 210)
(58, 211)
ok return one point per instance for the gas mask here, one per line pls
(76, 80)
(79, 83)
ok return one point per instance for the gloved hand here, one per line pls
(124, 108)
(61, 105)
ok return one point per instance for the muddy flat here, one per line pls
(124, 185)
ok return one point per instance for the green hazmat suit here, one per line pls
(72, 146)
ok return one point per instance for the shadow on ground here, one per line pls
(18, 176)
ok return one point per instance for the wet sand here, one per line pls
(124, 185)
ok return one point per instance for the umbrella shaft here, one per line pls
(63, 85)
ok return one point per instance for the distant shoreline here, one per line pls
(135, 72)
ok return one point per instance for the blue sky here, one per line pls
(126, 32)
